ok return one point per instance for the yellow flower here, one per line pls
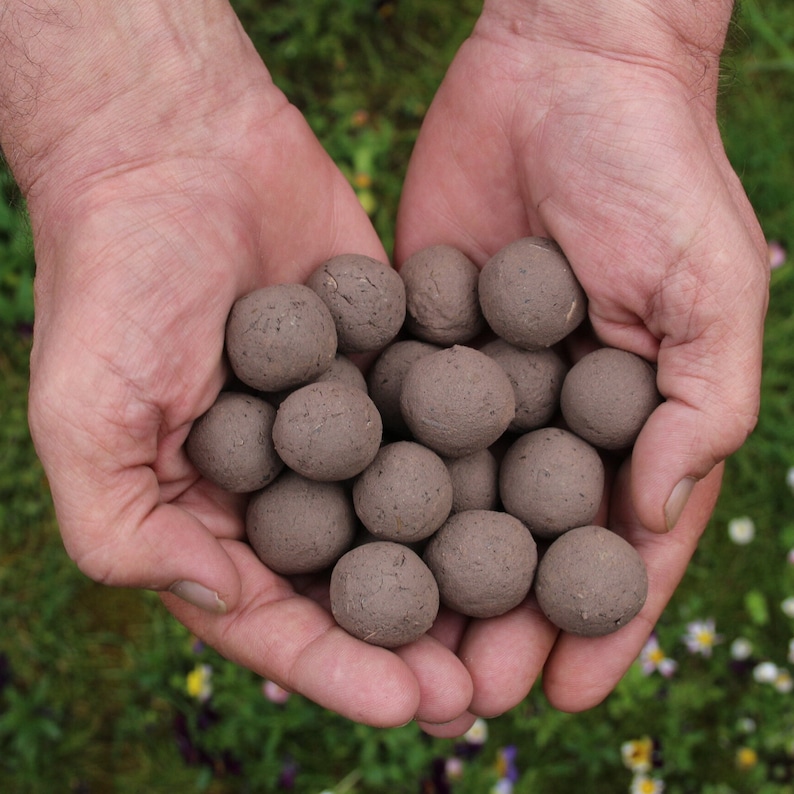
(746, 758)
(637, 754)
(199, 682)
(642, 784)
(362, 180)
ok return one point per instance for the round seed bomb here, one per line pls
(327, 431)
(405, 494)
(529, 294)
(385, 380)
(231, 444)
(383, 594)
(607, 397)
(441, 296)
(537, 377)
(366, 299)
(475, 481)
(457, 401)
(590, 582)
(280, 336)
(552, 480)
(483, 561)
(298, 526)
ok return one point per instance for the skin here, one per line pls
(159, 196)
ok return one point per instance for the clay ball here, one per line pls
(537, 377)
(280, 336)
(529, 294)
(231, 444)
(298, 526)
(607, 397)
(385, 380)
(552, 480)
(475, 481)
(327, 431)
(366, 299)
(405, 494)
(384, 594)
(457, 401)
(590, 582)
(483, 561)
(441, 296)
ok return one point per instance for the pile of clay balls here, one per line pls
(470, 444)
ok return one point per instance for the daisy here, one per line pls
(701, 637)
(652, 658)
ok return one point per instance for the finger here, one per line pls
(580, 671)
(449, 730)
(292, 640)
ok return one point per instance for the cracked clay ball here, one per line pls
(529, 294)
(484, 562)
(382, 593)
(590, 582)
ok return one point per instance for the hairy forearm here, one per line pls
(87, 84)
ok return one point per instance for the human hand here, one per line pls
(595, 124)
(157, 197)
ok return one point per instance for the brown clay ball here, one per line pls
(483, 561)
(366, 299)
(537, 377)
(441, 296)
(385, 380)
(475, 481)
(607, 397)
(457, 401)
(552, 480)
(298, 526)
(280, 336)
(231, 444)
(590, 582)
(327, 431)
(384, 594)
(405, 494)
(529, 294)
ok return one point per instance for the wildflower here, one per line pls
(783, 682)
(746, 725)
(741, 649)
(741, 530)
(362, 180)
(788, 607)
(746, 758)
(506, 763)
(790, 557)
(642, 784)
(791, 651)
(637, 754)
(765, 673)
(777, 254)
(453, 768)
(199, 682)
(275, 693)
(652, 658)
(790, 479)
(701, 637)
(503, 786)
(478, 733)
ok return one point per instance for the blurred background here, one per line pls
(102, 691)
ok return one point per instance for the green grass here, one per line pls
(92, 680)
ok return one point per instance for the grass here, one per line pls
(93, 681)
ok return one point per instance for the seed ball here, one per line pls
(441, 296)
(327, 431)
(552, 480)
(297, 525)
(457, 401)
(405, 494)
(529, 294)
(537, 377)
(385, 380)
(366, 299)
(590, 582)
(280, 336)
(384, 594)
(607, 397)
(483, 561)
(231, 444)
(475, 481)
(342, 370)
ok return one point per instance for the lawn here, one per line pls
(102, 691)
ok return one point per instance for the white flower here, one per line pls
(637, 754)
(791, 651)
(746, 725)
(741, 530)
(783, 681)
(701, 637)
(765, 673)
(790, 478)
(642, 784)
(741, 649)
(652, 658)
(788, 607)
(478, 732)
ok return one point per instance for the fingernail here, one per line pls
(198, 595)
(677, 502)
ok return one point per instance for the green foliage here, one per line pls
(16, 256)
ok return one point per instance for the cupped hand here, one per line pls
(163, 206)
(616, 154)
